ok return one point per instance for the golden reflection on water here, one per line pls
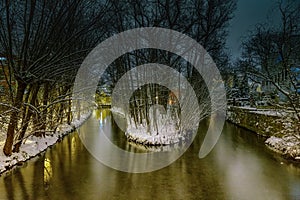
(237, 168)
(48, 173)
(73, 147)
(101, 114)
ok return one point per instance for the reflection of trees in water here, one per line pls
(50, 173)
(17, 187)
(228, 172)
(66, 166)
(47, 172)
(38, 178)
(8, 187)
(101, 115)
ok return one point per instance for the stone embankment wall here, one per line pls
(263, 122)
(281, 128)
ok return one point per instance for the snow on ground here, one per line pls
(268, 112)
(33, 145)
(288, 145)
(139, 134)
(278, 113)
(162, 129)
(245, 107)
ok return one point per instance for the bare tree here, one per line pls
(44, 43)
(272, 54)
(205, 21)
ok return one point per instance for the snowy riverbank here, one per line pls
(280, 126)
(288, 146)
(33, 145)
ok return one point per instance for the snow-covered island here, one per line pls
(162, 129)
(33, 145)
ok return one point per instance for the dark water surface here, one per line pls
(239, 167)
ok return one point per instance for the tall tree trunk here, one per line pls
(44, 111)
(69, 119)
(26, 119)
(7, 149)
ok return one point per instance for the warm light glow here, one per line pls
(47, 171)
(101, 119)
(73, 148)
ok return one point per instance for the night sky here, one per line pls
(247, 15)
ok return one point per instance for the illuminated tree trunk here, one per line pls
(26, 119)
(7, 149)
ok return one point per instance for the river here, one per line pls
(239, 167)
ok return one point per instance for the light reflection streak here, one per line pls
(47, 171)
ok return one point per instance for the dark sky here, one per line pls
(247, 15)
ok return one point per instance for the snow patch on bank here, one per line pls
(288, 146)
(33, 145)
(140, 135)
(267, 112)
(162, 133)
(272, 112)
(162, 129)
